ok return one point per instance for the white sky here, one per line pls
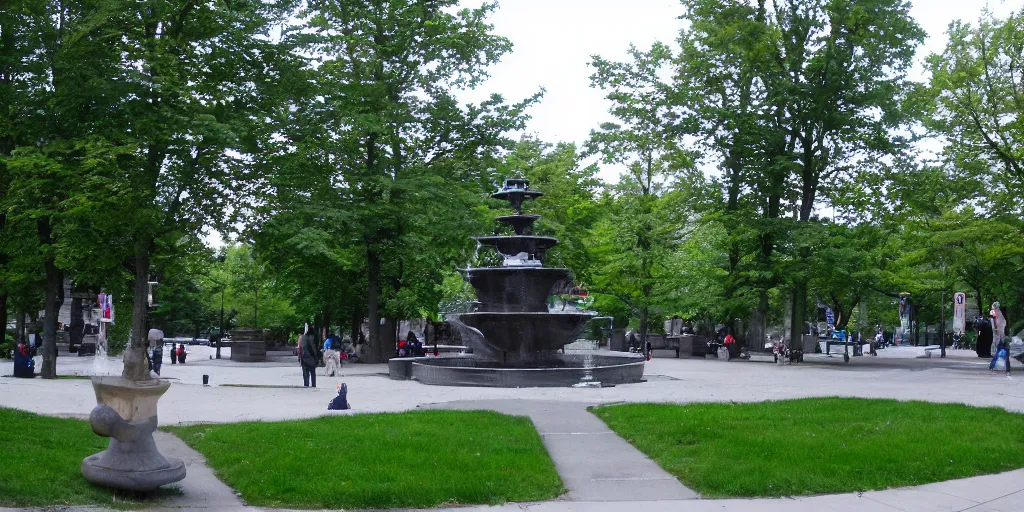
(554, 40)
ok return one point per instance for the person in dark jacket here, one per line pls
(309, 358)
(158, 356)
(340, 402)
(984, 345)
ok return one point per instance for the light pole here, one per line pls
(220, 333)
(942, 315)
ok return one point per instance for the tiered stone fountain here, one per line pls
(514, 336)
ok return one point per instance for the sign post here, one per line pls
(959, 316)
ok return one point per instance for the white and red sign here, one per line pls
(959, 312)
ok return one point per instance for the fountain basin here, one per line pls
(522, 224)
(516, 196)
(564, 370)
(502, 289)
(527, 338)
(511, 245)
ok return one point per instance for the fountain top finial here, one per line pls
(516, 184)
(515, 191)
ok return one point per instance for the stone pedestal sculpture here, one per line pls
(126, 413)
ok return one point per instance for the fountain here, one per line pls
(514, 336)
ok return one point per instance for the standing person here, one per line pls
(173, 354)
(181, 353)
(309, 358)
(984, 344)
(731, 345)
(1002, 351)
(998, 325)
(158, 356)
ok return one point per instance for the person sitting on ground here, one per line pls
(340, 402)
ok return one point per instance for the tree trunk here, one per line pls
(389, 339)
(357, 324)
(3, 314)
(327, 322)
(19, 327)
(797, 314)
(51, 304)
(372, 305)
(756, 330)
(645, 315)
(135, 364)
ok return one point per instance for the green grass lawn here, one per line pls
(415, 459)
(41, 460)
(821, 445)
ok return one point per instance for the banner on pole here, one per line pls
(106, 303)
(959, 312)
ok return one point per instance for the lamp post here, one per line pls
(220, 333)
(942, 315)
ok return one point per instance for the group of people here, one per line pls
(156, 356)
(310, 355)
(410, 347)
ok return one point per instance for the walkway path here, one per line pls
(595, 464)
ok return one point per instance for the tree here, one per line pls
(380, 131)
(652, 201)
(188, 91)
(975, 100)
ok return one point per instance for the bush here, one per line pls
(7, 346)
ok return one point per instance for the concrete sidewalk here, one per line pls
(595, 464)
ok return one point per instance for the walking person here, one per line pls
(158, 357)
(309, 358)
(181, 353)
(1002, 351)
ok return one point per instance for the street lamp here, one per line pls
(220, 333)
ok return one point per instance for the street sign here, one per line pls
(959, 312)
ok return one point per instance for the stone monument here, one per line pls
(126, 413)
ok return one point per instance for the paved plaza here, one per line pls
(601, 471)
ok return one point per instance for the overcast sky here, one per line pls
(554, 39)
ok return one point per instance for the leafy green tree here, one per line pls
(976, 101)
(189, 91)
(378, 129)
(652, 203)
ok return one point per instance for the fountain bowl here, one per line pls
(564, 370)
(527, 338)
(504, 289)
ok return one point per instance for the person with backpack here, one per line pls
(158, 357)
(731, 346)
(309, 359)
